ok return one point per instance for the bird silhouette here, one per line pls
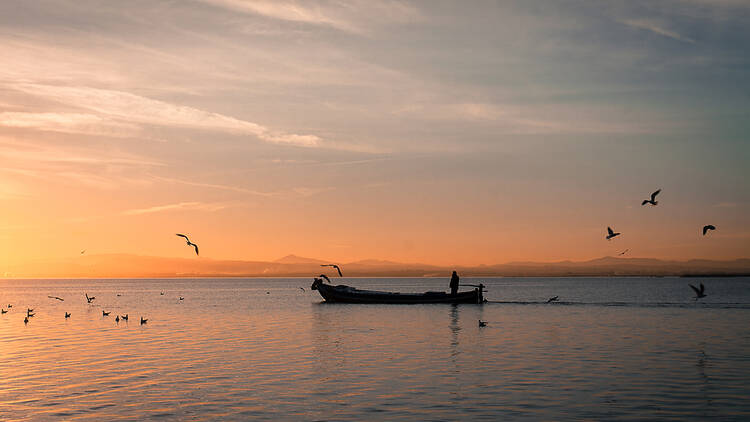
(25, 320)
(708, 227)
(699, 293)
(105, 313)
(117, 318)
(143, 320)
(189, 243)
(67, 314)
(3, 311)
(182, 298)
(653, 200)
(55, 297)
(334, 266)
(89, 299)
(482, 323)
(29, 310)
(611, 233)
(326, 277)
(83, 251)
(10, 306)
(552, 299)
(302, 288)
(125, 317)
(623, 252)
(162, 293)
(29, 315)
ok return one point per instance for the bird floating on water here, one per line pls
(55, 297)
(125, 317)
(699, 292)
(189, 243)
(334, 266)
(482, 323)
(117, 318)
(105, 313)
(708, 227)
(302, 288)
(25, 320)
(10, 306)
(182, 298)
(552, 299)
(67, 314)
(611, 233)
(143, 320)
(651, 201)
(89, 299)
(3, 311)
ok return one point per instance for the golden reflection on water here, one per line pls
(229, 350)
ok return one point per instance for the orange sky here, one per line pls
(360, 133)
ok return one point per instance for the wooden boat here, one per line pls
(346, 294)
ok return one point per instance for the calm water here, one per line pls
(614, 349)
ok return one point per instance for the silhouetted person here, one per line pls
(454, 283)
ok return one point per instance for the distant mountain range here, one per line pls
(125, 265)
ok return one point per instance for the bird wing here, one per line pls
(645, 201)
(702, 287)
(653, 195)
(182, 235)
(338, 269)
(610, 231)
(196, 248)
(695, 289)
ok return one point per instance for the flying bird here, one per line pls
(189, 243)
(699, 293)
(623, 252)
(708, 227)
(552, 299)
(611, 233)
(83, 251)
(105, 313)
(334, 266)
(67, 314)
(651, 201)
(143, 320)
(326, 277)
(89, 299)
(55, 297)
(482, 323)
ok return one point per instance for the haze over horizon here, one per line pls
(420, 131)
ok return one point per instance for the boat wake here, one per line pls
(702, 305)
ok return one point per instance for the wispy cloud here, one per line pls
(125, 107)
(192, 206)
(656, 28)
(83, 123)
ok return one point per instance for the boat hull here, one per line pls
(346, 294)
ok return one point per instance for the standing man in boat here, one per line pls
(454, 283)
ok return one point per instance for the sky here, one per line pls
(439, 132)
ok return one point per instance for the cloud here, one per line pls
(192, 206)
(119, 106)
(82, 123)
(655, 28)
(726, 205)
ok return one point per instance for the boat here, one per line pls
(347, 294)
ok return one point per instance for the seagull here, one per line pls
(334, 266)
(10, 306)
(708, 227)
(118, 295)
(143, 321)
(611, 233)
(182, 298)
(482, 323)
(117, 318)
(698, 292)
(29, 310)
(125, 317)
(552, 299)
(651, 201)
(26, 320)
(623, 252)
(302, 288)
(326, 277)
(162, 293)
(89, 299)
(83, 251)
(3, 311)
(106, 313)
(29, 315)
(55, 297)
(189, 242)
(67, 314)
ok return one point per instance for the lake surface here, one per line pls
(264, 349)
